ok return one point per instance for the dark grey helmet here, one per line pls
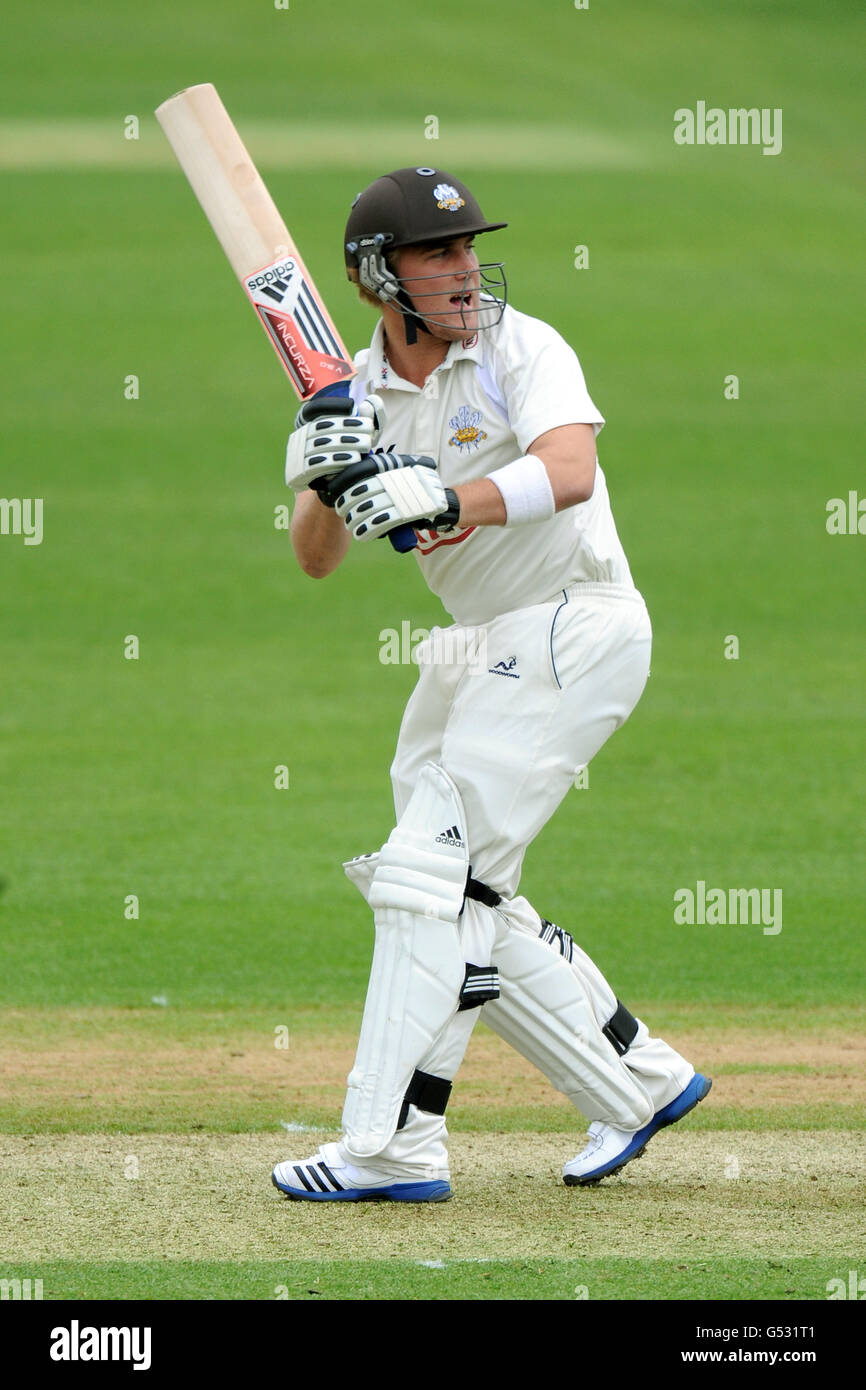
(407, 208)
(411, 206)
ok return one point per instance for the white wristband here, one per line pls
(525, 489)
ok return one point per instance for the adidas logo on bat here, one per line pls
(274, 282)
(450, 837)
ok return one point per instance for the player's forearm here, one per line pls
(568, 456)
(319, 538)
(481, 504)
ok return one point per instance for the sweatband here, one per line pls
(525, 489)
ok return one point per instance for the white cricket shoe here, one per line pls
(327, 1177)
(610, 1149)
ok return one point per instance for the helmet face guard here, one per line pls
(481, 298)
(412, 207)
(479, 302)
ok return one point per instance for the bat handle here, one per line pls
(402, 538)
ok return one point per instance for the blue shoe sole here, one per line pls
(399, 1192)
(697, 1089)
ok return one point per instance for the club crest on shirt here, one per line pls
(447, 197)
(467, 434)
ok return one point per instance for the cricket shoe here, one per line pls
(610, 1149)
(327, 1177)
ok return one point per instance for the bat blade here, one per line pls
(255, 239)
(259, 249)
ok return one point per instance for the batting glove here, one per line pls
(405, 489)
(330, 435)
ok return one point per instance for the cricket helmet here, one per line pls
(410, 207)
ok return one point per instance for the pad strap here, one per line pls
(480, 892)
(621, 1030)
(556, 936)
(426, 1092)
(479, 987)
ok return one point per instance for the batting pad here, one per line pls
(360, 871)
(545, 1011)
(418, 966)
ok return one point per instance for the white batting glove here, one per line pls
(406, 489)
(329, 436)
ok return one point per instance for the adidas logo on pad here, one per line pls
(451, 836)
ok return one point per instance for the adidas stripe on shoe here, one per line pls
(327, 1177)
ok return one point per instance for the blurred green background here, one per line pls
(155, 777)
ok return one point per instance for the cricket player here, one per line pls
(471, 424)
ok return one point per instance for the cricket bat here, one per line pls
(259, 248)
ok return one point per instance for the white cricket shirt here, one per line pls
(493, 395)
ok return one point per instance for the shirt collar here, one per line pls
(380, 374)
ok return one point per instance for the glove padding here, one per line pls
(330, 435)
(400, 489)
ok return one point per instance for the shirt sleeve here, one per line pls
(542, 381)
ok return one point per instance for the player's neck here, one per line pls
(413, 361)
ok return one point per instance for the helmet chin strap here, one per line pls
(412, 321)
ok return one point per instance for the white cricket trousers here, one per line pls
(513, 710)
(524, 703)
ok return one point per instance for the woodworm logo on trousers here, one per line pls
(77, 1343)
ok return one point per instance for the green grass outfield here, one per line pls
(476, 1280)
(155, 777)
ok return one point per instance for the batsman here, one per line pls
(470, 430)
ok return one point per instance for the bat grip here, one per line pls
(402, 538)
